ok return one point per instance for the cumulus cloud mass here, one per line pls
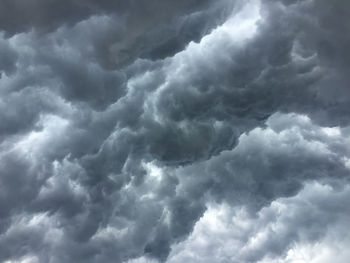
(199, 131)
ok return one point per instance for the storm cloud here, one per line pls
(174, 131)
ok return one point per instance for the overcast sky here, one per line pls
(177, 131)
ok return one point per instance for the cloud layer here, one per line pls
(186, 131)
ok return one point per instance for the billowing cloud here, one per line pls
(308, 227)
(162, 131)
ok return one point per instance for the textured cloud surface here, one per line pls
(174, 131)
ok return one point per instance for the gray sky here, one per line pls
(174, 131)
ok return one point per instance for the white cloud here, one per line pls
(279, 233)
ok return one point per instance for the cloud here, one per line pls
(119, 32)
(307, 227)
(136, 132)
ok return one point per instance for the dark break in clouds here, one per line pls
(174, 131)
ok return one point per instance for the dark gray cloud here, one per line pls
(136, 131)
(117, 31)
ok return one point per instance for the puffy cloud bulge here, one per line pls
(174, 131)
